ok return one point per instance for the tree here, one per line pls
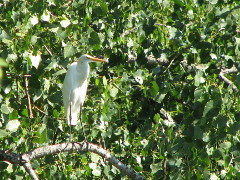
(166, 104)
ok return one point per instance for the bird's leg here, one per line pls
(82, 123)
(70, 118)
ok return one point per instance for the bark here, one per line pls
(24, 159)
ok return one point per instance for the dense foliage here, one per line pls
(162, 54)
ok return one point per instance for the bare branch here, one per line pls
(10, 157)
(18, 75)
(176, 56)
(48, 50)
(226, 80)
(30, 171)
(66, 147)
(231, 70)
(169, 120)
(28, 97)
(129, 31)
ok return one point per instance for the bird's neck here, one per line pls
(83, 68)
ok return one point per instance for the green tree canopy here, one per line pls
(166, 104)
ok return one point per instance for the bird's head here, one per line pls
(88, 58)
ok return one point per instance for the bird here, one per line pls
(75, 88)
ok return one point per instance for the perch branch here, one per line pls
(25, 159)
(30, 171)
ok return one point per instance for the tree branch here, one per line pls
(30, 171)
(28, 97)
(169, 120)
(25, 159)
(226, 80)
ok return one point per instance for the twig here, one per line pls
(66, 147)
(128, 31)
(28, 97)
(231, 70)
(40, 110)
(165, 169)
(226, 80)
(48, 50)
(18, 75)
(169, 120)
(176, 56)
(158, 24)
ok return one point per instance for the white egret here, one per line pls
(75, 88)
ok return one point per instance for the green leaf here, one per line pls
(226, 145)
(198, 133)
(35, 60)
(35, 164)
(95, 157)
(198, 94)
(45, 16)
(155, 89)
(155, 167)
(43, 134)
(65, 23)
(13, 125)
(157, 118)
(94, 39)
(69, 50)
(96, 170)
(213, 1)
(104, 81)
(60, 72)
(179, 2)
(113, 91)
(208, 107)
(213, 176)
(3, 133)
(159, 97)
(3, 63)
(5, 109)
(3, 165)
(33, 20)
(199, 78)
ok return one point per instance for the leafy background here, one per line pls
(162, 54)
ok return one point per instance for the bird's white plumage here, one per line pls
(75, 86)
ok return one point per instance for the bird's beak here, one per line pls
(97, 59)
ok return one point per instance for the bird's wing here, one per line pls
(67, 88)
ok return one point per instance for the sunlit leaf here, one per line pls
(199, 79)
(45, 16)
(69, 50)
(35, 60)
(13, 125)
(226, 145)
(33, 20)
(113, 91)
(3, 133)
(3, 63)
(213, 177)
(65, 23)
(5, 109)
(155, 167)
